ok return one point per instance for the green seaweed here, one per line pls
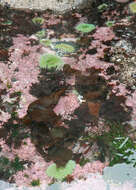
(35, 182)
(17, 165)
(118, 144)
(9, 168)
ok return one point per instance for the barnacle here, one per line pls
(61, 172)
(49, 61)
(85, 28)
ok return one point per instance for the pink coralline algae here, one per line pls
(100, 48)
(131, 102)
(51, 20)
(37, 171)
(5, 74)
(67, 105)
(104, 34)
(94, 167)
(119, 90)
(91, 61)
(23, 70)
(27, 152)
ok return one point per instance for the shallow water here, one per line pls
(82, 110)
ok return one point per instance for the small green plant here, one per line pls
(110, 23)
(121, 150)
(50, 61)
(61, 172)
(102, 7)
(38, 20)
(45, 42)
(9, 168)
(26, 175)
(119, 144)
(85, 28)
(132, 7)
(35, 182)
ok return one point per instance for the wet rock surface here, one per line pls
(60, 6)
(83, 111)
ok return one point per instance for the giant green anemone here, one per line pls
(50, 61)
(40, 34)
(46, 42)
(132, 7)
(61, 172)
(38, 20)
(85, 28)
(64, 48)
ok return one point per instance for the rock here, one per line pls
(60, 6)
(60, 155)
(122, 1)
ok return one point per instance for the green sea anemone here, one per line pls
(40, 34)
(45, 42)
(132, 7)
(61, 172)
(49, 61)
(110, 23)
(102, 7)
(38, 20)
(64, 48)
(85, 28)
